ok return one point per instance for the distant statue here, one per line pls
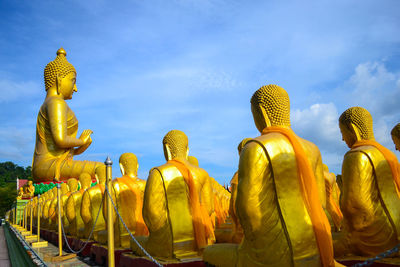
(57, 127)
(332, 199)
(370, 201)
(91, 206)
(73, 205)
(395, 133)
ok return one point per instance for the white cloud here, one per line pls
(15, 90)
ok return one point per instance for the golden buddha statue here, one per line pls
(395, 133)
(29, 190)
(335, 215)
(128, 192)
(72, 185)
(57, 126)
(46, 212)
(73, 205)
(53, 210)
(237, 228)
(91, 203)
(20, 193)
(177, 204)
(280, 194)
(370, 201)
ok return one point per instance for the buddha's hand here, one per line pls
(87, 140)
(85, 137)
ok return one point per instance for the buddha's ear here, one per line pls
(187, 152)
(356, 131)
(264, 114)
(121, 167)
(58, 83)
(168, 153)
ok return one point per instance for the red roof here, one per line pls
(22, 182)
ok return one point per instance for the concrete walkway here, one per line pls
(4, 260)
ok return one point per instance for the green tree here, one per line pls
(8, 194)
(9, 172)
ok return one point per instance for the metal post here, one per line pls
(23, 217)
(38, 219)
(31, 219)
(15, 213)
(110, 226)
(59, 219)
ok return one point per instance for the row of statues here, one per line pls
(283, 205)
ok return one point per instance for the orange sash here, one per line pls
(388, 155)
(141, 228)
(218, 211)
(309, 189)
(201, 220)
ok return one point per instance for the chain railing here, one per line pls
(90, 235)
(127, 229)
(381, 256)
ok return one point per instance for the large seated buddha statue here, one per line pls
(370, 201)
(57, 127)
(177, 204)
(73, 205)
(332, 190)
(280, 194)
(91, 206)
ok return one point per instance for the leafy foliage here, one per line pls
(9, 172)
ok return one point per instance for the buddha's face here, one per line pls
(396, 142)
(347, 136)
(68, 85)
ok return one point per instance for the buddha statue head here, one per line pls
(100, 174)
(72, 184)
(85, 180)
(395, 133)
(60, 75)
(193, 160)
(270, 106)
(242, 144)
(176, 145)
(356, 124)
(128, 164)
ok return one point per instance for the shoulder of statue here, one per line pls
(355, 156)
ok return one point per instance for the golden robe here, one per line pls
(277, 227)
(370, 204)
(167, 211)
(48, 156)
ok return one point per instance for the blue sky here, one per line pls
(146, 67)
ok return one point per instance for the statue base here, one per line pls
(99, 253)
(129, 259)
(352, 260)
(40, 244)
(77, 244)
